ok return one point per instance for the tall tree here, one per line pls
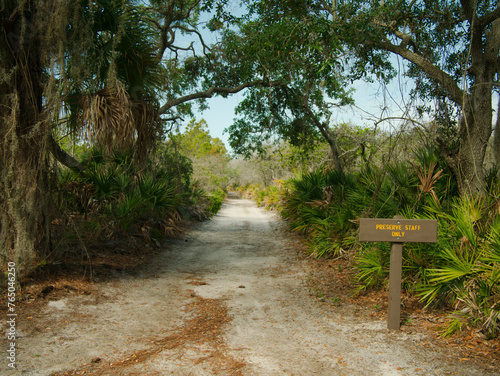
(208, 155)
(24, 127)
(451, 48)
(196, 141)
(104, 67)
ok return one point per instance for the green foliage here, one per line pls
(208, 156)
(269, 197)
(320, 205)
(129, 210)
(102, 179)
(215, 200)
(160, 196)
(453, 326)
(119, 199)
(372, 264)
(196, 141)
(466, 270)
(461, 271)
(297, 77)
(173, 165)
(354, 39)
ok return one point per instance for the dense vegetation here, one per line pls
(461, 271)
(110, 74)
(112, 198)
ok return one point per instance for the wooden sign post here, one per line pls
(397, 231)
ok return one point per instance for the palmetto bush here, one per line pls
(372, 265)
(461, 271)
(300, 206)
(269, 197)
(465, 273)
(129, 210)
(160, 196)
(118, 199)
(103, 179)
(322, 206)
(404, 182)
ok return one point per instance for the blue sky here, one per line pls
(367, 96)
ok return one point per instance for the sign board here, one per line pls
(398, 230)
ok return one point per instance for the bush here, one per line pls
(116, 198)
(215, 201)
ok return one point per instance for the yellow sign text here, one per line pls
(387, 227)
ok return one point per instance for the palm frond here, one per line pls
(107, 118)
(457, 266)
(428, 179)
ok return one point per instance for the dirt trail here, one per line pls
(229, 298)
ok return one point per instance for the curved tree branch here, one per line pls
(327, 135)
(62, 157)
(399, 118)
(200, 37)
(455, 93)
(489, 17)
(214, 90)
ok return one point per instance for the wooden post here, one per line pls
(395, 272)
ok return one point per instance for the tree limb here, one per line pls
(469, 9)
(454, 92)
(165, 30)
(202, 41)
(64, 158)
(400, 118)
(328, 136)
(330, 9)
(489, 17)
(213, 90)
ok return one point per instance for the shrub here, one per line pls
(121, 199)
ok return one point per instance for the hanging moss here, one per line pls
(38, 79)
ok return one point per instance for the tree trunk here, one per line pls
(24, 185)
(330, 138)
(476, 123)
(475, 132)
(496, 137)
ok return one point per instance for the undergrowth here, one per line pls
(113, 198)
(460, 272)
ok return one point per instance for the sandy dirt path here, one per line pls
(228, 298)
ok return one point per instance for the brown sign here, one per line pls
(398, 230)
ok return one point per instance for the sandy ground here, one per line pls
(228, 298)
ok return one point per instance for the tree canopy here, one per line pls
(451, 49)
(301, 72)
